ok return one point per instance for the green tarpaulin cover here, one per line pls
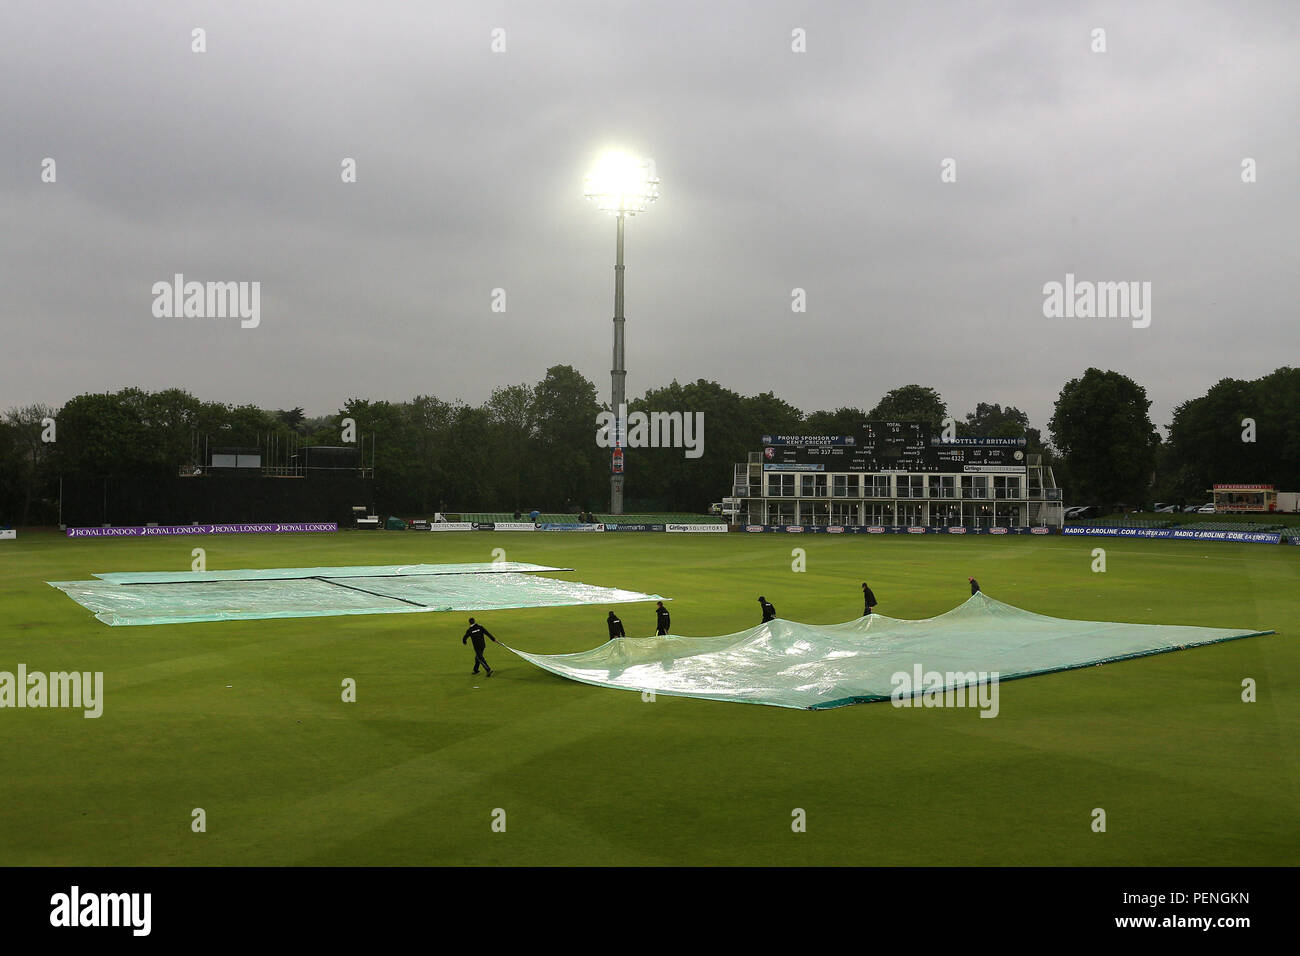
(788, 664)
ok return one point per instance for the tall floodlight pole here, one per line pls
(623, 186)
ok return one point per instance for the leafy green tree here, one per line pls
(512, 430)
(1278, 428)
(293, 418)
(436, 474)
(25, 473)
(842, 421)
(911, 403)
(398, 480)
(1239, 432)
(11, 475)
(1103, 431)
(102, 434)
(664, 478)
(575, 472)
(994, 421)
(247, 425)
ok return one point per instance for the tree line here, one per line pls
(534, 446)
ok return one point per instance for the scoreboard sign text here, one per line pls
(893, 447)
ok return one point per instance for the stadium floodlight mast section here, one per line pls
(621, 185)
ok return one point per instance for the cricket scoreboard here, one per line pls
(893, 447)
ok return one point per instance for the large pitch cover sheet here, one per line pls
(814, 667)
(166, 597)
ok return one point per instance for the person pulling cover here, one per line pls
(477, 632)
(868, 599)
(615, 626)
(769, 612)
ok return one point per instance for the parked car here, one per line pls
(1081, 512)
(1166, 509)
(1191, 509)
(1161, 506)
(1205, 510)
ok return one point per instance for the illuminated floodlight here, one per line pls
(622, 184)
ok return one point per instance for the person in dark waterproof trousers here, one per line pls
(868, 599)
(615, 626)
(477, 632)
(769, 612)
(662, 621)
(974, 586)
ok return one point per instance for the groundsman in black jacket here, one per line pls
(868, 599)
(477, 632)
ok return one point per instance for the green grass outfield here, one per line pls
(412, 772)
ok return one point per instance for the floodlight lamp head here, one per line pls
(621, 184)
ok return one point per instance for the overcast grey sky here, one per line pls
(818, 170)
